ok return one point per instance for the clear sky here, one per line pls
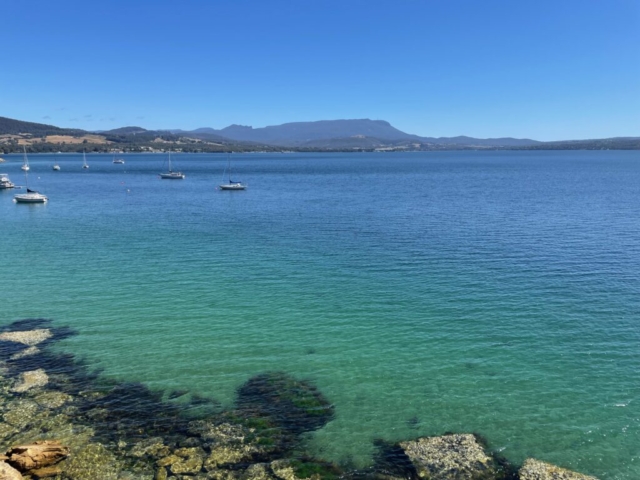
(561, 69)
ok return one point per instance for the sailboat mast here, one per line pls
(26, 160)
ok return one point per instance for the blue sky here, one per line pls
(548, 70)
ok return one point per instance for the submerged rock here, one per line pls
(52, 399)
(450, 457)
(27, 352)
(537, 470)
(36, 455)
(152, 447)
(46, 472)
(92, 463)
(21, 413)
(30, 337)
(28, 380)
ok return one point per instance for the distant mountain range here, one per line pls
(324, 135)
(325, 132)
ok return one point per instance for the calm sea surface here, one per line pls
(490, 292)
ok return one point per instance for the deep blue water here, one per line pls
(493, 292)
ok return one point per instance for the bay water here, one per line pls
(489, 292)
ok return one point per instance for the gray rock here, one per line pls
(536, 470)
(27, 352)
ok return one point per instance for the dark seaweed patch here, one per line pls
(308, 467)
(294, 405)
(8, 349)
(391, 460)
(177, 394)
(132, 409)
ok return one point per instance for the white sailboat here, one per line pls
(84, 159)
(119, 161)
(56, 166)
(171, 175)
(231, 184)
(31, 196)
(25, 165)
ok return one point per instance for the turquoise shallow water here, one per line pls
(493, 292)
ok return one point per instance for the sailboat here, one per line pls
(56, 166)
(31, 196)
(171, 175)
(119, 161)
(231, 184)
(84, 159)
(25, 166)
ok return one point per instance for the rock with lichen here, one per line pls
(151, 447)
(189, 461)
(226, 455)
(258, 471)
(533, 469)
(222, 474)
(91, 463)
(450, 457)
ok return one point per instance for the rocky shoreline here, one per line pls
(62, 421)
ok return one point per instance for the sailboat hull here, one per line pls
(233, 186)
(172, 176)
(30, 198)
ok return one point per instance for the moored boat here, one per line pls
(171, 175)
(231, 184)
(30, 197)
(5, 183)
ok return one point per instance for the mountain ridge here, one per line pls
(323, 135)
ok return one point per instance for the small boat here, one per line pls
(56, 167)
(231, 184)
(25, 165)
(171, 175)
(119, 161)
(31, 196)
(5, 183)
(2, 160)
(84, 160)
